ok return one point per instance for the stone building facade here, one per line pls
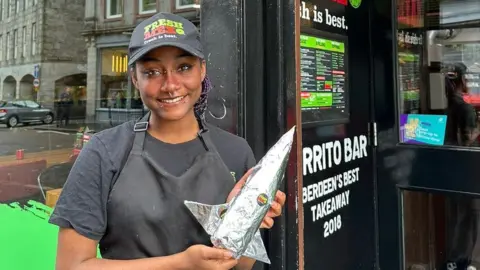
(40, 39)
(111, 96)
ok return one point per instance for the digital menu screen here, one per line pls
(324, 88)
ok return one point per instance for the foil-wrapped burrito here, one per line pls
(235, 226)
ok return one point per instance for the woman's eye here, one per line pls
(151, 73)
(184, 68)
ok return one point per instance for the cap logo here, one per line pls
(162, 28)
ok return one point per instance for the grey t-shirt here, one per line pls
(83, 201)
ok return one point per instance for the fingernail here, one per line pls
(228, 255)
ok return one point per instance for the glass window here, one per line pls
(441, 231)
(24, 41)
(31, 104)
(1, 10)
(15, 44)
(8, 45)
(439, 72)
(1, 47)
(18, 103)
(34, 38)
(147, 6)
(182, 4)
(114, 9)
(65, 85)
(117, 90)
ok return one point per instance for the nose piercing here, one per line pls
(170, 94)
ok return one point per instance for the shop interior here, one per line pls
(440, 229)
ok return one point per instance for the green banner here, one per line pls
(321, 44)
(312, 100)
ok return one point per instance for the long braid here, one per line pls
(202, 103)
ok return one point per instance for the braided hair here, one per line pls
(201, 104)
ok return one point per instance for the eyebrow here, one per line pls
(153, 59)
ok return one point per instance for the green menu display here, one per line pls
(323, 77)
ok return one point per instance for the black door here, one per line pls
(338, 149)
(427, 97)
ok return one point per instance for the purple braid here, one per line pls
(201, 105)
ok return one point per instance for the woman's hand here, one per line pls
(275, 209)
(208, 258)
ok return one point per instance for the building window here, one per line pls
(147, 6)
(15, 44)
(34, 38)
(9, 44)
(17, 6)
(34, 2)
(24, 41)
(183, 4)
(1, 10)
(117, 90)
(1, 48)
(438, 72)
(7, 4)
(114, 9)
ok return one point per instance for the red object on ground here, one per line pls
(20, 154)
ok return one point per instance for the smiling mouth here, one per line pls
(172, 100)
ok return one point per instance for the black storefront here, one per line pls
(372, 183)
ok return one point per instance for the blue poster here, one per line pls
(423, 128)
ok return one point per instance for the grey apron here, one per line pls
(145, 213)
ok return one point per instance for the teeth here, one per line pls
(177, 99)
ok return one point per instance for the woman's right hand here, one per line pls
(203, 257)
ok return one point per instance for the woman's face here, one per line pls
(169, 81)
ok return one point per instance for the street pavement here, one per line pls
(32, 139)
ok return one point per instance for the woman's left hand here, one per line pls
(275, 209)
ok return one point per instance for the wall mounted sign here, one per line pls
(423, 128)
(324, 83)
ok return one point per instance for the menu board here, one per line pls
(409, 66)
(324, 88)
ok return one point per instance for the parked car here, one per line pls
(24, 111)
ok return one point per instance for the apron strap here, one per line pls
(140, 129)
(141, 126)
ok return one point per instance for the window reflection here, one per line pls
(441, 231)
(61, 82)
(438, 72)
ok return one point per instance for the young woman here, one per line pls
(462, 122)
(127, 187)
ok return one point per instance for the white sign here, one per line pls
(36, 82)
(332, 193)
(322, 16)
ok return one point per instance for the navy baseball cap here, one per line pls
(164, 29)
(455, 70)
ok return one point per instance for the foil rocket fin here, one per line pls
(256, 249)
(210, 216)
